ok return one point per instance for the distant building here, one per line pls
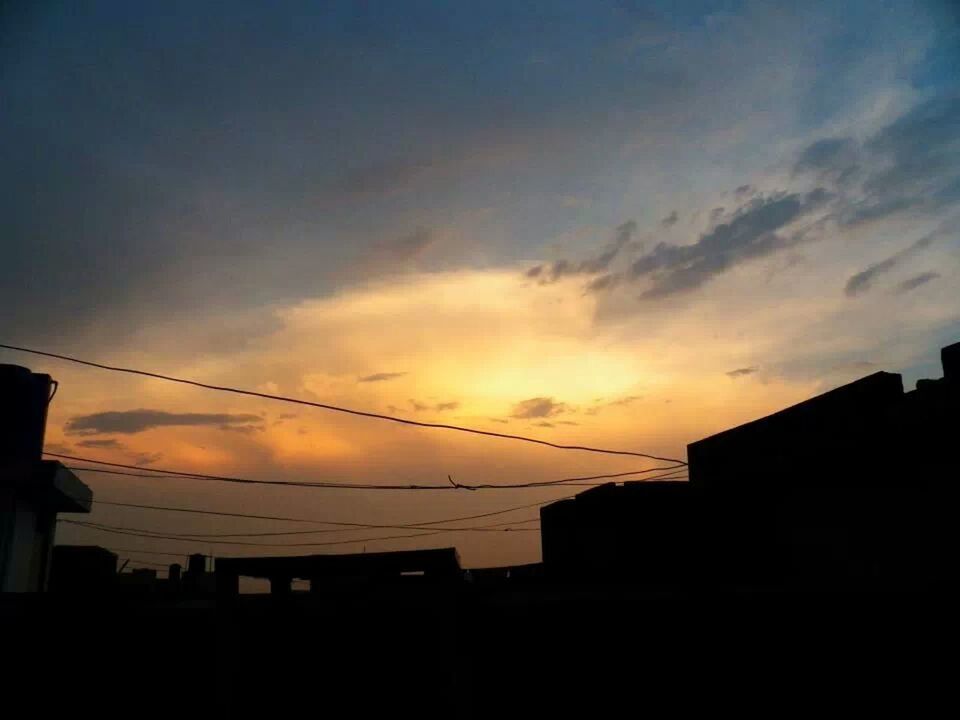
(82, 568)
(853, 488)
(328, 571)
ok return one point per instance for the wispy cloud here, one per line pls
(566, 268)
(863, 280)
(436, 407)
(380, 377)
(742, 372)
(916, 281)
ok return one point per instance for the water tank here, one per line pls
(24, 397)
(197, 564)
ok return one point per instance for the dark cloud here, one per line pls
(564, 268)
(135, 421)
(618, 402)
(744, 191)
(380, 377)
(438, 407)
(742, 372)
(830, 157)
(107, 444)
(544, 424)
(604, 282)
(670, 220)
(751, 232)
(912, 164)
(566, 422)
(863, 280)
(540, 407)
(716, 213)
(147, 458)
(408, 247)
(916, 281)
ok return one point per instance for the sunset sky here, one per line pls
(618, 223)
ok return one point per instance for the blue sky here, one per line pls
(664, 193)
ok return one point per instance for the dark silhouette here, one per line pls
(32, 490)
(854, 488)
(656, 595)
(326, 571)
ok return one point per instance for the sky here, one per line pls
(621, 223)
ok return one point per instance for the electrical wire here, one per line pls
(334, 408)
(156, 473)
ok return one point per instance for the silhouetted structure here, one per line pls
(853, 488)
(323, 570)
(32, 490)
(82, 568)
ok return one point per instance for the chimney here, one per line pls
(174, 573)
(950, 358)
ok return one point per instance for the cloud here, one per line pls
(742, 372)
(833, 158)
(751, 232)
(912, 163)
(863, 280)
(438, 407)
(565, 268)
(107, 444)
(408, 247)
(544, 424)
(744, 191)
(916, 281)
(380, 377)
(540, 407)
(136, 421)
(619, 402)
(670, 220)
(147, 458)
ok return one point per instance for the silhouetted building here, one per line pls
(853, 488)
(140, 581)
(32, 490)
(642, 531)
(325, 571)
(196, 580)
(82, 568)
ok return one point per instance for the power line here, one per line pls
(178, 474)
(493, 527)
(335, 408)
(428, 523)
(254, 544)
